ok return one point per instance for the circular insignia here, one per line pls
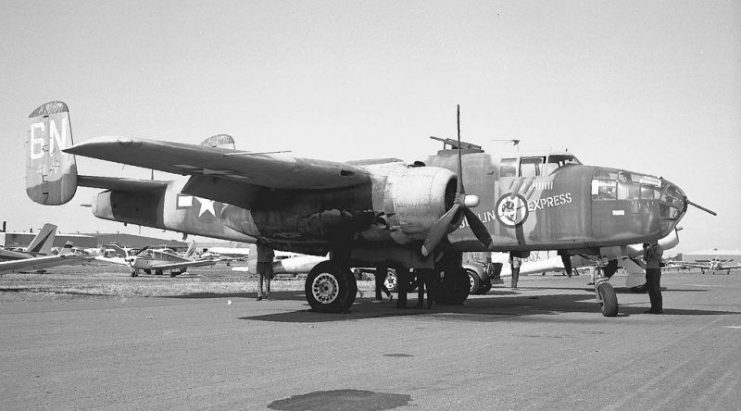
(512, 211)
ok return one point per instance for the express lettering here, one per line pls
(549, 202)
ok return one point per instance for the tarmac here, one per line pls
(542, 346)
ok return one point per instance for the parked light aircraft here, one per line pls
(41, 262)
(157, 261)
(714, 265)
(364, 213)
(41, 244)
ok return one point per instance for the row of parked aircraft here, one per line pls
(40, 255)
(409, 215)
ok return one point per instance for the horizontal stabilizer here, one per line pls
(121, 184)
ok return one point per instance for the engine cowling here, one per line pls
(414, 199)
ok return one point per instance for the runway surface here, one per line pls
(544, 346)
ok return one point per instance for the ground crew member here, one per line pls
(265, 257)
(424, 281)
(402, 281)
(652, 255)
(380, 277)
(515, 263)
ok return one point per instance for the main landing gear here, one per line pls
(331, 287)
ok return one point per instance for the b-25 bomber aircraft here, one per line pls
(364, 213)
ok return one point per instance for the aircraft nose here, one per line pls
(672, 205)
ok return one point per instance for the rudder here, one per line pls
(44, 240)
(51, 174)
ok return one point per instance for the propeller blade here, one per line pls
(142, 250)
(707, 210)
(478, 228)
(439, 230)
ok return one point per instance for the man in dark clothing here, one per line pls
(402, 281)
(515, 263)
(380, 277)
(424, 281)
(652, 256)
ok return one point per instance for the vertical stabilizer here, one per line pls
(44, 240)
(191, 250)
(51, 174)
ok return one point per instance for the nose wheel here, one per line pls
(605, 294)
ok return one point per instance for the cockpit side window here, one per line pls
(531, 166)
(604, 185)
(508, 167)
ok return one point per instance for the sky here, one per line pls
(647, 86)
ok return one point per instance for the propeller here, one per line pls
(462, 204)
(707, 210)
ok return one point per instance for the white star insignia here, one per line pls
(206, 206)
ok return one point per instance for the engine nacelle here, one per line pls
(414, 198)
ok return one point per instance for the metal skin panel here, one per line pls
(51, 174)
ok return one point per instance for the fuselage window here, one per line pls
(604, 185)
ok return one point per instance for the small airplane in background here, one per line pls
(227, 253)
(157, 261)
(41, 245)
(40, 263)
(714, 265)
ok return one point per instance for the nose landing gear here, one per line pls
(603, 291)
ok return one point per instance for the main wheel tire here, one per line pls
(147, 271)
(330, 288)
(474, 282)
(609, 299)
(157, 272)
(452, 288)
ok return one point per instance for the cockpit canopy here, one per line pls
(535, 165)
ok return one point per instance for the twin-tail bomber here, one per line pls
(365, 213)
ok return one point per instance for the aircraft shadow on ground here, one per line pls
(489, 308)
(277, 295)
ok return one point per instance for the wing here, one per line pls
(278, 171)
(183, 265)
(36, 263)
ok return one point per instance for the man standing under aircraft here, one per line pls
(515, 263)
(380, 277)
(424, 280)
(402, 281)
(265, 257)
(652, 255)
